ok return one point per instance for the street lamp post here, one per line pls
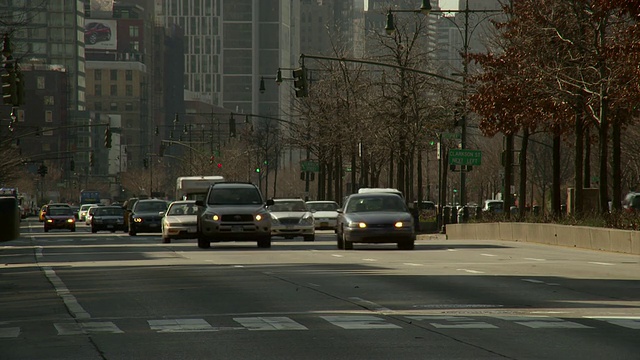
(426, 9)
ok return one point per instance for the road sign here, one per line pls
(451, 136)
(465, 157)
(309, 165)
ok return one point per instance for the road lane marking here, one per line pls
(601, 263)
(369, 260)
(535, 259)
(471, 271)
(533, 281)
(631, 322)
(360, 322)
(87, 328)
(315, 285)
(452, 249)
(180, 325)
(452, 322)
(11, 332)
(543, 322)
(412, 264)
(269, 323)
(70, 301)
(488, 255)
(368, 304)
(336, 255)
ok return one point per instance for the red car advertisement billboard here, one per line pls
(101, 34)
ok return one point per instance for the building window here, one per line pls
(97, 90)
(129, 75)
(129, 90)
(48, 100)
(114, 90)
(48, 116)
(40, 82)
(97, 106)
(134, 31)
(128, 106)
(135, 45)
(113, 107)
(97, 75)
(114, 75)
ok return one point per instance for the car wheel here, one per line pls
(203, 243)
(348, 245)
(166, 240)
(406, 245)
(132, 232)
(264, 243)
(94, 230)
(93, 39)
(73, 229)
(310, 238)
(46, 229)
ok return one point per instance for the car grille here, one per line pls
(237, 218)
(381, 226)
(289, 221)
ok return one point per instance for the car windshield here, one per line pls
(376, 203)
(109, 212)
(183, 209)
(60, 211)
(495, 205)
(234, 196)
(288, 206)
(150, 206)
(84, 207)
(635, 202)
(322, 206)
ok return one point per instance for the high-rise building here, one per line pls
(328, 25)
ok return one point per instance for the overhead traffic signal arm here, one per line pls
(300, 82)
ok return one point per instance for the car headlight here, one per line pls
(137, 219)
(357, 224)
(260, 217)
(306, 220)
(71, 220)
(49, 220)
(399, 224)
(215, 217)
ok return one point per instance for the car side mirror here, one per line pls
(270, 202)
(161, 213)
(313, 210)
(339, 211)
(200, 203)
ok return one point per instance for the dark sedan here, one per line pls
(60, 218)
(375, 218)
(109, 218)
(146, 216)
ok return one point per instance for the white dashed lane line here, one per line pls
(601, 263)
(535, 259)
(488, 255)
(471, 271)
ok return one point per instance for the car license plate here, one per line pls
(109, 226)
(236, 228)
(192, 230)
(289, 226)
(324, 224)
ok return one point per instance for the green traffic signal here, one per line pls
(257, 170)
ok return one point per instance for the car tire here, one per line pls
(46, 229)
(203, 243)
(264, 243)
(309, 238)
(132, 232)
(166, 240)
(348, 245)
(73, 229)
(93, 39)
(406, 245)
(94, 230)
(339, 240)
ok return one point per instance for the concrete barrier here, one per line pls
(593, 238)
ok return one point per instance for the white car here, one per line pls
(180, 221)
(291, 218)
(82, 212)
(325, 213)
(90, 211)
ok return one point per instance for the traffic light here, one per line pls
(212, 159)
(258, 170)
(145, 163)
(9, 95)
(43, 170)
(300, 82)
(219, 166)
(107, 137)
(19, 100)
(91, 159)
(72, 165)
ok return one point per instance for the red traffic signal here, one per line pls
(219, 166)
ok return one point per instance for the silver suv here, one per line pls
(234, 211)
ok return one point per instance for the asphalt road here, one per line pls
(111, 296)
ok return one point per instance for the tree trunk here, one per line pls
(603, 133)
(507, 197)
(578, 163)
(556, 197)
(587, 158)
(523, 173)
(616, 168)
(391, 168)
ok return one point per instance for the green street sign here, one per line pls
(451, 136)
(465, 157)
(308, 165)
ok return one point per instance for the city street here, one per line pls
(111, 296)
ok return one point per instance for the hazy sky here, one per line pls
(444, 4)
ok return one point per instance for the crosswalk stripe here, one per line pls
(180, 325)
(631, 322)
(87, 328)
(360, 322)
(543, 322)
(11, 332)
(453, 322)
(270, 323)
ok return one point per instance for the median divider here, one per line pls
(583, 237)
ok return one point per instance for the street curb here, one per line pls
(431, 237)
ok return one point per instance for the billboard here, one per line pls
(101, 8)
(101, 34)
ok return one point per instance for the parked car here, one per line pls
(180, 221)
(146, 216)
(234, 211)
(493, 206)
(109, 218)
(325, 213)
(375, 218)
(631, 202)
(291, 218)
(95, 32)
(60, 217)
